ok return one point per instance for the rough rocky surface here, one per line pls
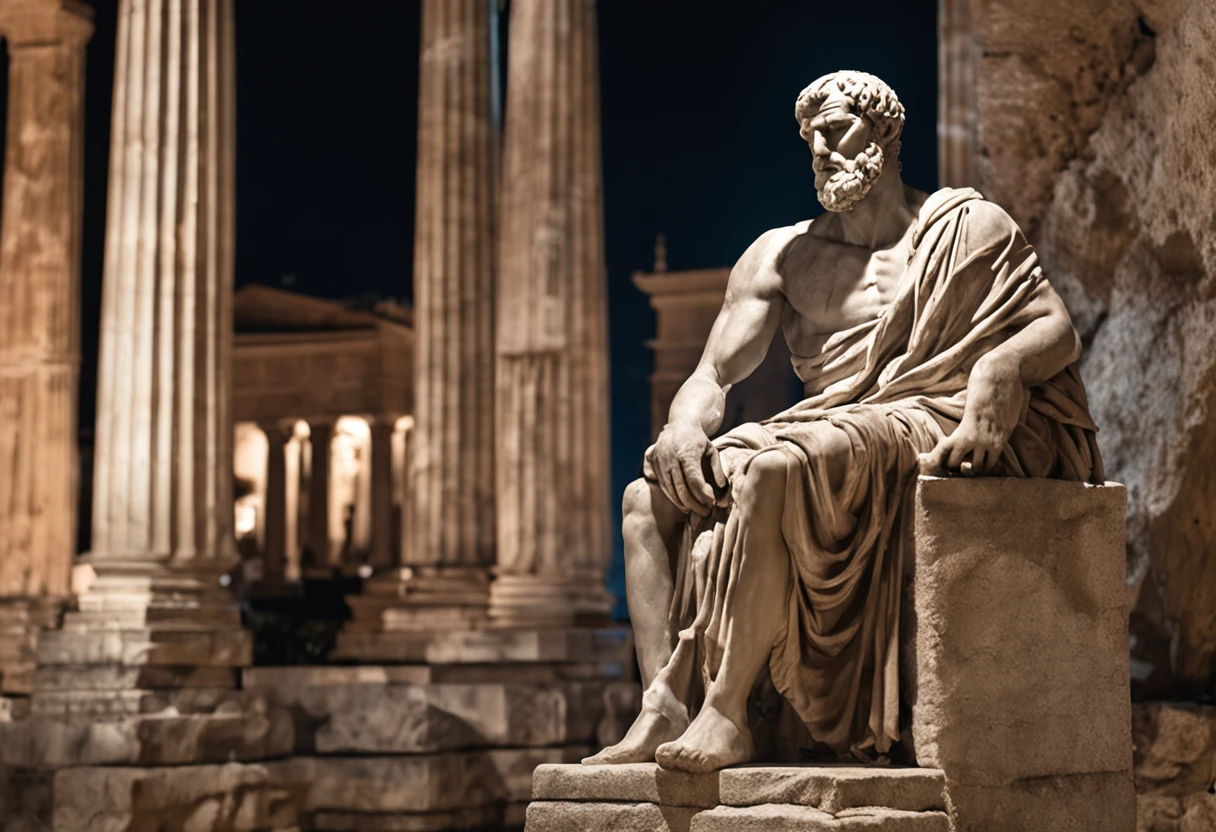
(1019, 623)
(1175, 767)
(1095, 127)
(233, 797)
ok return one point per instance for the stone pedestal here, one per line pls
(1021, 692)
(1016, 669)
(457, 726)
(39, 319)
(645, 798)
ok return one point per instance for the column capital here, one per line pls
(29, 24)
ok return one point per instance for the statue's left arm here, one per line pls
(996, 388)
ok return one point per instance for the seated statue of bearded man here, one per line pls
(928, 341)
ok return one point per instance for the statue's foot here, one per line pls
(712, 742)
(656, 724)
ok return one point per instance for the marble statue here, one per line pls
(928, 341)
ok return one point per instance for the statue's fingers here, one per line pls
(698, 488)
(933, 462)
(957, 453)
(715, 465)
(686, 501)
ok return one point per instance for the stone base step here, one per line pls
(557, 816)
(490, 818)
(829, 798)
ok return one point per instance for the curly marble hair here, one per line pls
(868, 96)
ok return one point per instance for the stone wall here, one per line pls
(1095, 131)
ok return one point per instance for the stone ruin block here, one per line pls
(1020, 690)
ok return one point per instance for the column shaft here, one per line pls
(552, 409)
(452, 469)
(163, 484)
(40, 295)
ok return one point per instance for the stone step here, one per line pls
(146, 646)
(99, 798)
(825, 798)
(37, 743)
(785, 818)
(417, 719)
(473, 819)
(560, 644)
(571, 816)
(829, 788)
(417, 784)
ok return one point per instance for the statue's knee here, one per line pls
(637, 502)
(766, 477)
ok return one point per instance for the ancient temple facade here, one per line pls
(323, 399)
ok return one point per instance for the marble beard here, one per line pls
(897, 387)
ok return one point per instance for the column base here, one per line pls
(421, 600)
(144, 638)
(529, 601)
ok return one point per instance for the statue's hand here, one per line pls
(675, 461)
(995, 398)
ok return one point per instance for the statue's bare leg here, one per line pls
(651, 528)
(720, 736)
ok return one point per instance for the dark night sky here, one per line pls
(699, 142)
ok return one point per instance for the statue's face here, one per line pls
(847, 159)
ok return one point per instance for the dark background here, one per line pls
(699, 143)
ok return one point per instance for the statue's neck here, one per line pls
(883, 217)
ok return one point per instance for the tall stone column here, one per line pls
(452, 468)
(957, 102)
(552, 416)
(39, 320)
(162, 510)
(443, 579)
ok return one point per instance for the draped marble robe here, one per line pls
(895, 386)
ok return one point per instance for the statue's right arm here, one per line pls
(737, 344)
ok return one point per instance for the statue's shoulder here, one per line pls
(985, 219)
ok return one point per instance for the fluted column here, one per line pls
(448, 538)
(39, 318)
(163, 481)
(552, 416)
(319, 436)
(452, 469)
(957, 103)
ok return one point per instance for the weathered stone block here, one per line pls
(1021, 651)
(227, 798)
(829, 788)
(158, 740)
(785, 818)
(420, 783)
(549, 816)
(137, 647)
(474, 819)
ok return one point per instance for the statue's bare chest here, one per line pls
(831, 287)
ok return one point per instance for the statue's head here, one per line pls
(852, 121)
